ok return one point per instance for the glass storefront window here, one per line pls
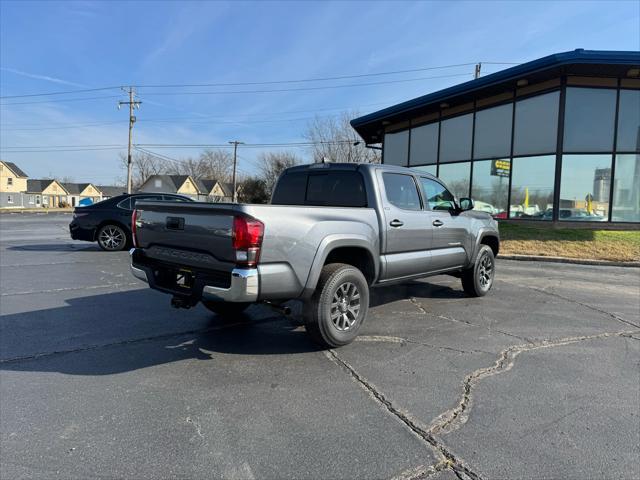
(455, 138)
(584, 188)
(536, 125)
(493, 132)
(456, 177)
(589, 120)
(424, 145)
(532, 180)
(426, 169)
(629, 121)
(490, 186)
(396, 148)
(626, 189)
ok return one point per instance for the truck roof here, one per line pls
(353, 166)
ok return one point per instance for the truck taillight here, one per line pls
(247, 240)
(134, 217)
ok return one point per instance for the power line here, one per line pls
(300, 89)
(86, 90)
(271, 82)
(60, 100)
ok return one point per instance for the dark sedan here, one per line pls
(109, 222)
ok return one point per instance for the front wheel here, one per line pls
(112, 238)
(477, 280)
(338, 307)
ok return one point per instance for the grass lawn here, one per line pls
(574, 243)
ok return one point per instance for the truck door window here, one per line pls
(401, 191)
(437, 196)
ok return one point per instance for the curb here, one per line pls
(576, 261)
(14, 211)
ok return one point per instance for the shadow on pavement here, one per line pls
(123, 331)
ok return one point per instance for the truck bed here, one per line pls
(198, 237)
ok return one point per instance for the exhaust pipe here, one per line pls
(281, 309)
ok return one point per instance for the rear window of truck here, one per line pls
(332, 189)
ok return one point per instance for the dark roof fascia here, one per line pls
(559, 59)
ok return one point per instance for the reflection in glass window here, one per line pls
(491, 186)
(532, 180)
(536, 125)
(589, 120)
(629, 121)
(438, 197)
(493, 132)
(401, 191)
(456, 177)
(396, 148)
(426, 169)
(584, 188)
(626, 189)
(455, 138)
(424, 145)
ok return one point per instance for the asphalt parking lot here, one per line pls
(99, 377)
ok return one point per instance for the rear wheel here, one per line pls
(226, 309)
(112, 238)
(477, 280)
(339, 305)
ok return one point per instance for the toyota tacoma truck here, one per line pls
(331, 232)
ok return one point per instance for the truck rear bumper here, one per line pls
(243, 286)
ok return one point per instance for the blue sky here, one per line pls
(59, 46)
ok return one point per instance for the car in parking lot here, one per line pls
(109, 222)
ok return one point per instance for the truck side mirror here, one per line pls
(466, 203)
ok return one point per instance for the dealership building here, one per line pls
(555, 139)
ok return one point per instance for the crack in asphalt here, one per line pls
(420, 472)
(456, 417)
(423, 310)
(571, 300)
(452, 462)
(402, 341)
(138, 340)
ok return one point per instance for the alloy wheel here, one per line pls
(345, 306)
(485, 272)
(111, 237)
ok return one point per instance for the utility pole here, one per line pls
(235, 144)
(478, 67)
(132, 119)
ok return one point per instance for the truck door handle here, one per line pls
(396, 223)
(437, 223)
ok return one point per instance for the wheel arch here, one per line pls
(350, 250)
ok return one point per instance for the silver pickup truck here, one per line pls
(331, 232)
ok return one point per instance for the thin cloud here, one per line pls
(46, 78)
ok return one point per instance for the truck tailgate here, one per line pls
(188, 234)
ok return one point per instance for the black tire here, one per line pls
(112, 238)
(227, 310)
(477, 280)
(338, 307)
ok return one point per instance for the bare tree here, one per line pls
(216, 164)
(272, 164)
(144, 165)
(324, 132)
